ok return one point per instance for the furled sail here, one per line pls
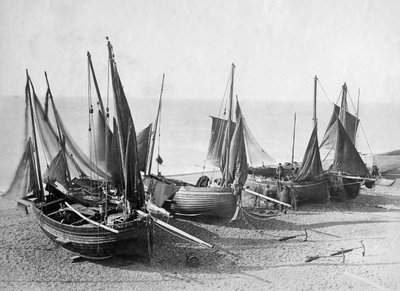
(311, 167)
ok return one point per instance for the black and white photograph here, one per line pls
(199, 145)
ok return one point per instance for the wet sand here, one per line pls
(248, 254)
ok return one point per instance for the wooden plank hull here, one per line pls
(344, 187)
(89, 241)
(312, 191)
(208, 201)
(305, 191)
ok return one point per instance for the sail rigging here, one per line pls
(128, 151)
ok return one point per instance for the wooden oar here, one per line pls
(174, 229)
(267, 198)
(91, 221)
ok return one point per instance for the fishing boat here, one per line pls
(310, 182)
(347, 171)
(227, 149)
(119, 223)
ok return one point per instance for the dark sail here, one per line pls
(351, 122)
(215, 146)
(114, 159)
(127, 139)
(346, 157)
(143, 143)
(311, 168)
(238, 160)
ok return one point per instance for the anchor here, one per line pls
(341, 252)
(294, 236)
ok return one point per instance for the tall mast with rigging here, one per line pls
(228, 128)
(39, 173)
(154, 133)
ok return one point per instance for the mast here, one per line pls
(294, 136)
(154, 133)
(120, 136)
(52, 104)
(343, 106)
(105, 118)
(28, 92)
(97, 87)
(228, 128)
(315, 101)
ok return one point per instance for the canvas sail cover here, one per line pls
(329, 139)
(237, 153)
(215, 146)
(311, 167)
(143, 143)
(388, 164)
(346, 157)
(25, 179)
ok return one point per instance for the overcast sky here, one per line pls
(277, 46)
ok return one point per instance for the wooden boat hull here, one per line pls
(207, 201)
(312, 191)
(344, 187)
(305, 191)
(92, 242)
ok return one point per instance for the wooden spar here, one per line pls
(152, 207)
(294, 136)
(39, 173)
(315, 101)
(356, 123)
(338, 174)
(153, 134)
(52, 104)
(343, 107)
(266, 198)
(121, 151)
(228, 128)
(175, 230)
(96, 86)
(105, 118)
(89, 220)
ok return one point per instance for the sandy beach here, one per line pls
(248, 254)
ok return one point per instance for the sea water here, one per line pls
(185, 128)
